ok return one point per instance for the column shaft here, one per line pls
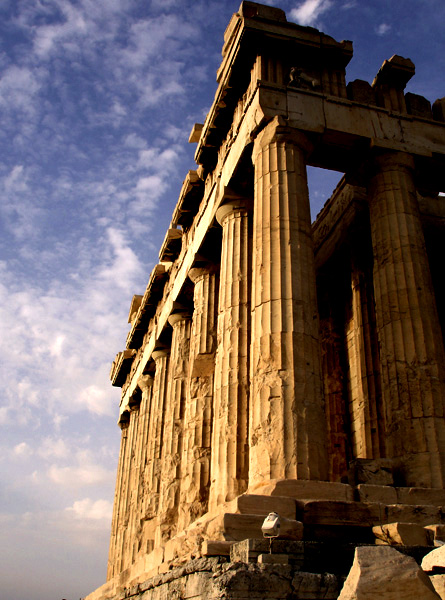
(125, 507)
(229, 467)
(287, 422)
(154, 441)
(115, 552)
(172, 439)
(143, 487)
(364, 390)
(411, 345)
(195, 481)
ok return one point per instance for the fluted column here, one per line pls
(195, 480)
(287, 423)
(123, 544)
(172, 438)
(411, 346)
(364, 390)
(155, 432)
(229, 465)
(115, 551)
(143, 487)
(336, 410)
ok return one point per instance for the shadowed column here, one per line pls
(173, 427)
(115, 552)
(155, 433)
(411, 347)
(195, 481)
(140, 526)
(229, 467)
(287, 422)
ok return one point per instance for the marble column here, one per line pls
(195, 481)
(155, 432)
(287, 421)
(229, 464)
(172, 437)
(115, 551)
(123, 558)
(411, 347)
(333, 387)
(142, 486)
(364, 389)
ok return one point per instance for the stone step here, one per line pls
(311, 557)
(236, 527)
(304, 489)
(256, 504)
(366, 514)
(386, 494)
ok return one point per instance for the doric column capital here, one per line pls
(124, 419)
(278, 131)
(197, 273)
(390, 161)
(242, 205)
(145, 382)
(160, 352)
(179, 316)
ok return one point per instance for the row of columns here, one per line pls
(239, 399)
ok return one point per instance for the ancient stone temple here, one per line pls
(279, 365)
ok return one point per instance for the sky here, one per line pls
(97, 100)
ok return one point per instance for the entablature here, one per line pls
(121, 367)
(189, 200)
(147, 307)
(171, 246)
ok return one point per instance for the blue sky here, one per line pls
(97, 100)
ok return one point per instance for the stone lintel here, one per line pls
(147, 307)
(134, 307)
(195, 133)
(395, 72)
(345, 125)
(121, 367)
(171, 246)
(190, 197)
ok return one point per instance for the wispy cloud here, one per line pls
(309, 11)
(383, 28)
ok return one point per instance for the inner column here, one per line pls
(172, 439)
(195, 482)
(287, 421)
(411, 351)
(229, 464)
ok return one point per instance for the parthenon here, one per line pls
(275, 364)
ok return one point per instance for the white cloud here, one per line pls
(383, 28)
(87, 509)
(18, 86)
(22, 449)
(97, 400)
(53, 448)
(79, 476)
(309, 12)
